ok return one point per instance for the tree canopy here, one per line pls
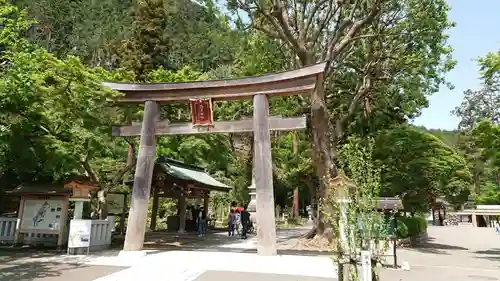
(385, 58)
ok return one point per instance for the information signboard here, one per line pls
(42, 214)
(116, 202)
(79, 233)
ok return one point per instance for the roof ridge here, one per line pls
(178, 163)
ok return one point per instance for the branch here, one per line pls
(335, 49)
(280, 13)
(329, 15)
(277, 31)
(296, 20)
(119, 176)
(365, 88)
(90, 172)
(266, 31)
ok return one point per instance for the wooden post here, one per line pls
(134, 239)
(206, 201)
(154, 209)
(63, 225)
(266, 227)
(19, 237)
(296, 190)
(182, 212)
(122, 216)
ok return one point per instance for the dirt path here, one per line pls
(458, 253)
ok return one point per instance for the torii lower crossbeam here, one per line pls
(221, 127)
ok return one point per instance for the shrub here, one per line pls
(408, 226)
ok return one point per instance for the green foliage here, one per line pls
(409, 226)
(54, 113)
(419, 168)
(488, 194)
(487, 137)
(479, 115)
(482, 103)
(55, 120)
(147, 49)
(358, 222)
(490, 65)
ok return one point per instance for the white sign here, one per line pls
(366, 266)
(116, 201)
(79, 233)
(42, 214)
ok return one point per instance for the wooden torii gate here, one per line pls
(201, 94)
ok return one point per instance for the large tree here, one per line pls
(383, 57)
(420, 168)
(486, 139)
(482, 103)
(55, 116)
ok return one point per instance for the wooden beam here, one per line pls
(262, 160)
(221, 127)
(298, 81)
(136, 227)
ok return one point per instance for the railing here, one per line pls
(100, 233)
(7, 230)
(100, 236)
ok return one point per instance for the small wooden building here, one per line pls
(175, 179)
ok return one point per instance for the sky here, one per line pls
(475, 34)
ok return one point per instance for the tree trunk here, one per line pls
(322, 158)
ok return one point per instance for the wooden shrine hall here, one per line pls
(175, 179)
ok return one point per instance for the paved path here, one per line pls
(194, 265)
(458, 253)
(231, 259)
(32, 265)
(202, 260)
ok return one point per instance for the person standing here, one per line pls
(245, 220)
(231, 219)
(189, 218)
(237, 222)
(202, 222)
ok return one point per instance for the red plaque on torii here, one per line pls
(202, 112)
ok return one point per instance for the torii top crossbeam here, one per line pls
(299, 81)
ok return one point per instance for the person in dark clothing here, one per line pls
(202, 222)
(245, 220)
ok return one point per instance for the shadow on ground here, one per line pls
(492, 254)
(33, 264)
(436, 248)
(33, 271)
(216, 241)
(9, 254)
